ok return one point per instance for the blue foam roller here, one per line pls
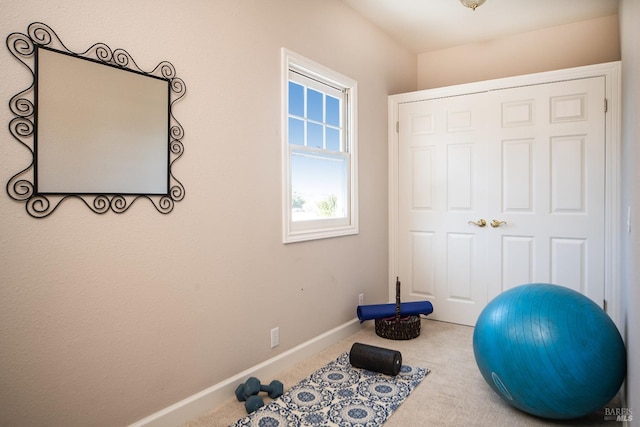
(381, 311)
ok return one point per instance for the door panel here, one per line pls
(422, 274)
(517, 175)
(568, 263)
(567, 174)
(459, 178)
(460, 267)
(517, 260)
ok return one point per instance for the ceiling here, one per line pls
(426, 25)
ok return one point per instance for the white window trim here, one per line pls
(318, 229)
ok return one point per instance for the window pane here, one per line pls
(314, 105)
(333, 139)
(318, 177)
(296, 131)
(315, 137)
(314, 198)
(296, 99)
(333, 111)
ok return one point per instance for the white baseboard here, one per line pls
(214, 396)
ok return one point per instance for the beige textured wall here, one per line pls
(105, 319)
(582, 43)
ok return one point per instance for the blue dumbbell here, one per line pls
(253, 403)
(248, 388)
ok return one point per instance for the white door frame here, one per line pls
(611, 72)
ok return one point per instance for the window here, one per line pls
(319, 151)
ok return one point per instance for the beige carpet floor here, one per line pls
(453, 394)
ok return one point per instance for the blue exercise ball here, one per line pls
(549, 351)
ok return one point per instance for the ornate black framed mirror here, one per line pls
(98, 127)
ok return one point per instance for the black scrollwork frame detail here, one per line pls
(21, 187)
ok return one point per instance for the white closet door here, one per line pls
(530, 158)
(443, 186)
(547, 181)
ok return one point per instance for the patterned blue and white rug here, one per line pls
(338, 395)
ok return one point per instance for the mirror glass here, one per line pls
(99, 129)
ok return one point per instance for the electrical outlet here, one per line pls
(361, 299)
(275, 337)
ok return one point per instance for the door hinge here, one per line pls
(604, 305)
(606, 105)
(397, 127)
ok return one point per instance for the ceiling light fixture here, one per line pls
(472, 4)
